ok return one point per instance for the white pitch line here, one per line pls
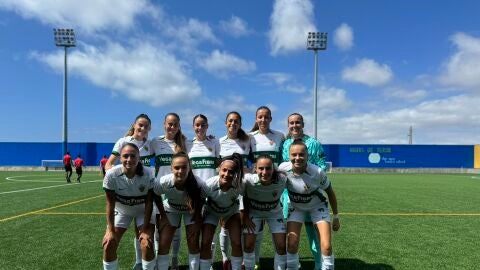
(30, 189)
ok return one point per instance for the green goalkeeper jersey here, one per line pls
(316, 155)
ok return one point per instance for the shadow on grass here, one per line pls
(344, 264)
(309, 264)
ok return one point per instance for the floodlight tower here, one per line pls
(316, 41)
(64, 38)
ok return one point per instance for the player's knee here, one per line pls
(249, 247)
(236, 243)
(280, 248)
(326, 248)
(110, 246)
(292, 242)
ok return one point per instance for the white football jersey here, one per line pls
(229, 146)
(267, 144)
(174, 199)
(144, 146)
(130, 194)
(264, 200)
(306, 191)
(163, 149)
(221, 203)
(203, 156)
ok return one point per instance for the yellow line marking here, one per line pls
(49, 208)
(69, 214)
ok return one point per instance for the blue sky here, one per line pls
(389, 65)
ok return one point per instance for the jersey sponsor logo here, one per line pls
(203, 163)
(299, 198)
(164, 160)
(272, 154)
(145, 161)
(179, 207)
(130, 200)
(141, 188)
(263, 206)
(219, 209)
(274, 194)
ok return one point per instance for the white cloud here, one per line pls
(343, 37)
(189, 32)
(369, 72)
(406, 94)
(462, 68)
(86, 15)
(290, 22)
(445, 121)
(283, 81)
(235, 27)
(223, 64)
(329, 100)
(143, 73)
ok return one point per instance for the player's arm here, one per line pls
(110, 162)
(148, 209)
(332, 199)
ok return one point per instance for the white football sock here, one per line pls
(224, 240)
(292, 261)
(249, 260)
(328, 262)
(163, 262)
(194, 261)
(237, 262)
(279, 262)
(149, 265)
(138, 251)
(113, 265)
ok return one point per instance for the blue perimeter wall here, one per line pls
(341, 155)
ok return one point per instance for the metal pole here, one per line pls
(315, 96)
(65, 116)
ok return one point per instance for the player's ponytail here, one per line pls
(179, 138)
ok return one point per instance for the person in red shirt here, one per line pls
(67, 164)
(103, 162)
(78, 167)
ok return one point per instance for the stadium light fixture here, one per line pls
(64, 37)
(316, 41)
